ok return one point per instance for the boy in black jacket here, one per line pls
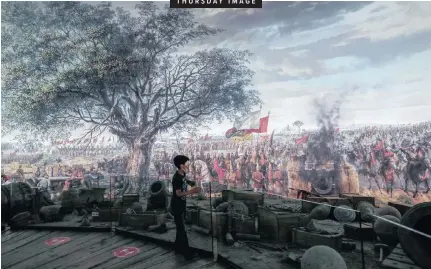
(178, 204)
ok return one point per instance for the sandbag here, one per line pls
(322, 257)
(344, 213)
(20, 219)
(137, 207)
(222, 207)
(388, 211)
(238, 208)
(51, 213)
(387, 231)
(320, 212)
(367, 211)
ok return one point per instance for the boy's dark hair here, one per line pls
(179, 160)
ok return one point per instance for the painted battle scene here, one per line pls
(306, 135)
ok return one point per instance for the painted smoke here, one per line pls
(322, 146)
(321, 163)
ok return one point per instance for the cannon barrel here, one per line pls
(416, 246)
(158, 196)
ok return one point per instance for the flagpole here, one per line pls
(266, 134)
(258, 134)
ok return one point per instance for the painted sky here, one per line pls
(375, 54)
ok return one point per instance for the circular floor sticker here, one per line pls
(57, 241)
(125, 252)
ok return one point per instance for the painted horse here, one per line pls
(387, 171)
(417, 171)
(369, 169)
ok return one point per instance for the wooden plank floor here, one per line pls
(399, 260)
(237, 255)
(28, 250)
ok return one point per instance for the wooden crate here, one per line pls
(399, 260)
(353, 231)
(219, 223)
(129, 199)
(142, 221)
(245, 226)
(192, 216)
(94, 195)
(355, 198)
(400, 206)
(306, 239)
(240, 195)
(277, 225)
(112, 214)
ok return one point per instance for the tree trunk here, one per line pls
(138, 166)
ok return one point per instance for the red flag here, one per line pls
(379, 146)
(302, 140)
(231, 132)
(263, 124)
(388, 154)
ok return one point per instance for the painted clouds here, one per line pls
(376, 53)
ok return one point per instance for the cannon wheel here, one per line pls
(324, 191)
(417, 246)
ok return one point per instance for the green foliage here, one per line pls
(69, 63)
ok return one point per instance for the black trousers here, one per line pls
(181, 240)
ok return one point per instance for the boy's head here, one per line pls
(180, 161)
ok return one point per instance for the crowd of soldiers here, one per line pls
(379, 153)
(263, 165)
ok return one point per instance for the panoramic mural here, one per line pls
(286, 107)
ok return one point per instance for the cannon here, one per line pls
(19, 197)
(417, 246)
(158, 196)
(329, 178)
(323, 178)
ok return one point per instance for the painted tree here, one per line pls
(298, 125)
(286, 130)
(65, 64)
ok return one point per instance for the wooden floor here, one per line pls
(28, 249)
(399, 260)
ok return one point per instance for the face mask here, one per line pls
(186, 167)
